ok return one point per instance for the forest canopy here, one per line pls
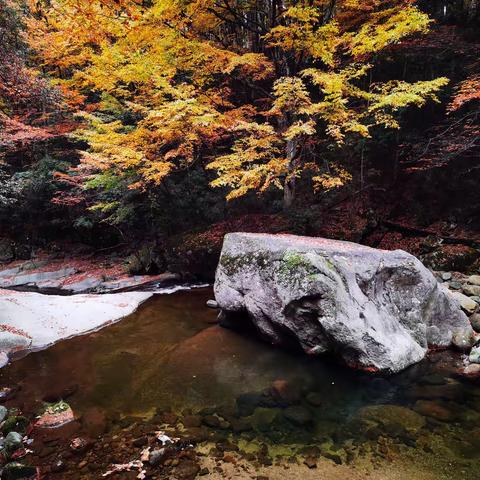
(252, 95)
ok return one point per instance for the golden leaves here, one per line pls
(386, 27)
(301, 34)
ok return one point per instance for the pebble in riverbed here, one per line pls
(475, 322)
(474, 356)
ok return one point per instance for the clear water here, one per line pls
(169, 354)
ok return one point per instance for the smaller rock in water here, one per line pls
(13, 441)
(263, 418)
(433, 410)
(471, 290)
(284, 392)
(315, 399)
(58, 466)
(240, 425)
(156, 456)
(94, 421)
(15, 424)
(298, 415)
(310, 462)
(16, 471)
(55, 415)
(187, 470)
(212, 304)
(79, 445)
(472, 370)
(3, 413)
(463, 340)
(7, 392)
(455, 285)
(247, 402)
(190, 421)
(474, 280)
(433, 379)
(474, 356)
(212, 421)
(446, 276)
(475, 322)
(466, 303)
(140, 442)
(391, 418)
(3, 359)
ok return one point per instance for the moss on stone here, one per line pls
(15, 424)
(292, 264)
(233, 263)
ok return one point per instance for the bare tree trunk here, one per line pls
(289, 189)
(471, 7)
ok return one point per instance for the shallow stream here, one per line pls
(170, 355)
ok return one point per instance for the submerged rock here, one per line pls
(16, 470)
(468, 305)
(475, 321)
(284, 392)
(377, 310)
(13, 441)
(15, 423)
(3, 413)
(156, 456)
(434, 410)
(474, 356)
(393, 419)
(298, 415)
(55, 415)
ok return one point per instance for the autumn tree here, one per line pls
(257, 91)
(26, 98)
(325, 95)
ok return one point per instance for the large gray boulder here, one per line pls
(376, 310)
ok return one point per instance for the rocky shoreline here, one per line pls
(77, 276)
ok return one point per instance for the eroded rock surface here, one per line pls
(35, 321)
(374, 309)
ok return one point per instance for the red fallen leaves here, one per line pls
(213, 237)
(16, 331)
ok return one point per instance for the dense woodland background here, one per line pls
(154, 127)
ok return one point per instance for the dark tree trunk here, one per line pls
(289, 187)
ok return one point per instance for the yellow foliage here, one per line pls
(386, 27)
(170, 82)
